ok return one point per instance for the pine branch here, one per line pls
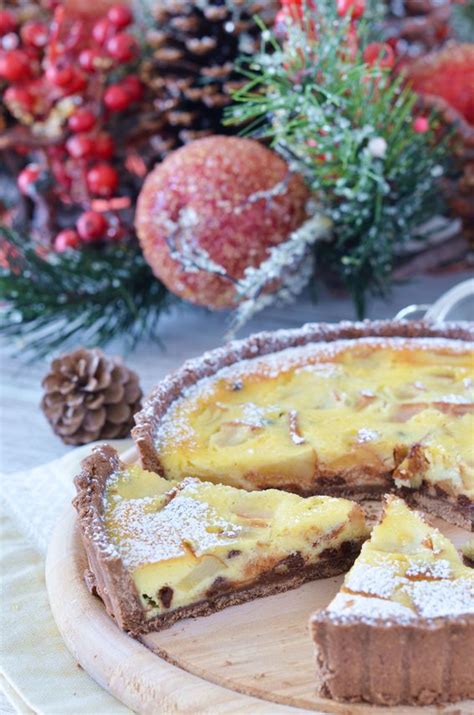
(323, 106)
(90, 296)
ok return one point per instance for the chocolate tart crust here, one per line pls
(171, 388)
(389, 663)
(108, 577)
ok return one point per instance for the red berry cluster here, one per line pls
(55, 80)
(376, 53)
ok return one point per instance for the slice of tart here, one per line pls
(161, 551)
(353, 410)
(401, 629)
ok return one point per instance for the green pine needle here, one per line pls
(320, 105)
(91, 296)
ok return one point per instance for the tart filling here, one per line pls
(341, 417)
(408, 589)
(186, 542)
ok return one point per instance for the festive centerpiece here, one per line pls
(92, 102)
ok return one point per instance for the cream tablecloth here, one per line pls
(38, 673)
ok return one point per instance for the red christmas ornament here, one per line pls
(447, 75)
(65, 240)
(91, 226)
(225, 200)
(102, 180)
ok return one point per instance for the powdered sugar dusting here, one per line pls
(433, 599)
(436, 570)
(146, 531)
(378, 580)
(349, 605)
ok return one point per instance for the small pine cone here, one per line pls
(90, 396)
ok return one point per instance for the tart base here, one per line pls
(392, 664)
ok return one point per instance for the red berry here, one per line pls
(66, 240)
(103, 146)
(91, 226)
(355, 8)
(18, 98)
(82, 120)
(14, 65)
(421, 125)
(116, 98)
(102, 180)
(79, 146)
(88, 60)
(120, 16)
(27, 178)
(35, 34)
(103, 30)
(61, 74)
(77, 83)
(7, 22)
(122, 47)
(133, 86)
(379, 53)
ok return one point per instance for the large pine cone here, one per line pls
(192, 69)
(90, 396)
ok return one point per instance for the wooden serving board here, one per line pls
(256, 658)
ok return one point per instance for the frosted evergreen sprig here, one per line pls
(289, 266)
(347, 126)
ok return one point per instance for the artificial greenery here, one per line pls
(94, 294)
(347, 125)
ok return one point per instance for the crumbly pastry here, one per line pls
(161, 551)
(355, 409)
(401, 629)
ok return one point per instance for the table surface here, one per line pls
(26, 439)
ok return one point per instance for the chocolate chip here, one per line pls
(233, 553)
(220, 585)
(237, 386)
(165, 595)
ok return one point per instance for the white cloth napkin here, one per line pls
(37, 672)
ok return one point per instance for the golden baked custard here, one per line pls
(187, 543)
(401, 629)
(406, 569)
(342, 417)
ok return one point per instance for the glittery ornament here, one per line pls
(213, 209)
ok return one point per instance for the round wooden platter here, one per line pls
(256, 658)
